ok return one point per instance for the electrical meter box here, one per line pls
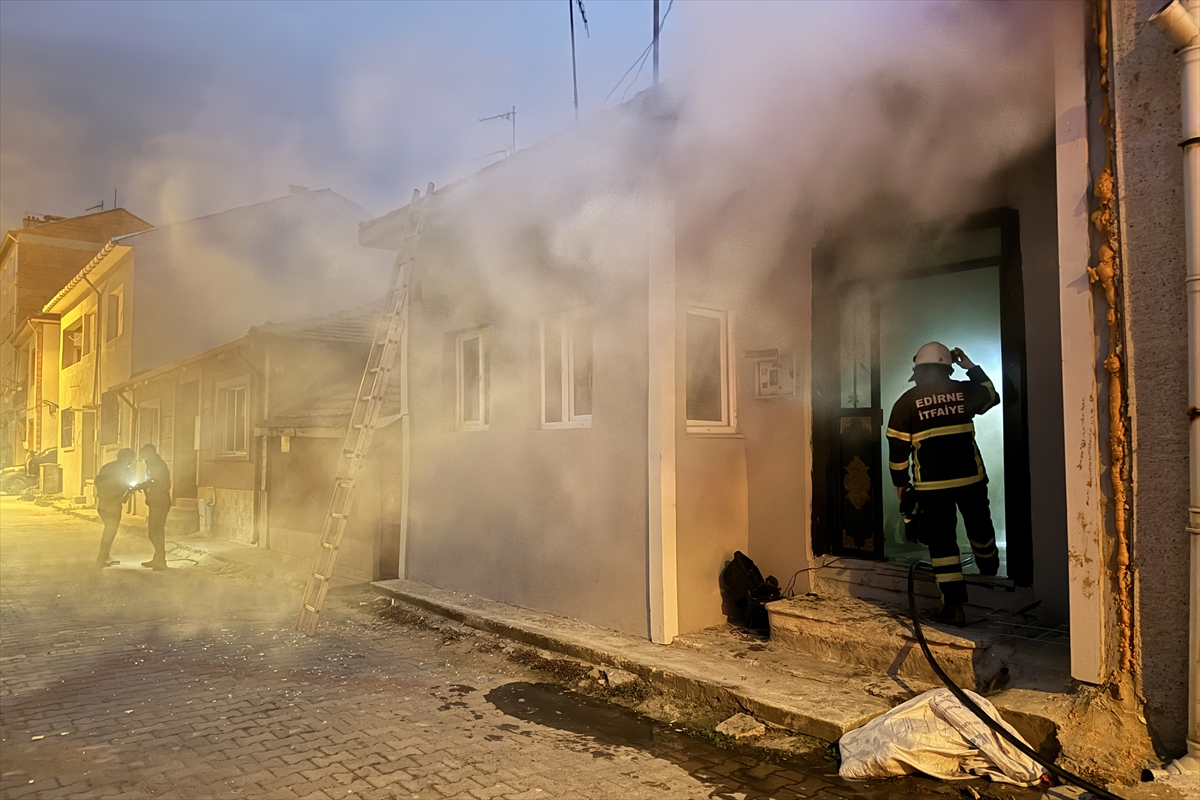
(774, 373)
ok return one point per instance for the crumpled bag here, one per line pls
(937, 735)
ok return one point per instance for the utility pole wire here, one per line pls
(654, 41)
(641, 60)
(583, 16)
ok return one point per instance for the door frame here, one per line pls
(826, 391)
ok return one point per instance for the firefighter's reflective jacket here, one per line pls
(933, 424)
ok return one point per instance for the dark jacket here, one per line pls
(932, 423)
(113, 484)
(157, 485)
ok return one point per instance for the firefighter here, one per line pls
(113, 484)
(931, 424)
(157, 490)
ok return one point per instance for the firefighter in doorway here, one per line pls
(932, 424)
(157, 489)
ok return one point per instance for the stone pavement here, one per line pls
(192, 684)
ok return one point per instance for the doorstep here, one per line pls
(782, 687)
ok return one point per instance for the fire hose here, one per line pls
(971, 706)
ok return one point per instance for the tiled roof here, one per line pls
(351, 325)
(332, 408)
(98, 227)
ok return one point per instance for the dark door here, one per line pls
(874, 306)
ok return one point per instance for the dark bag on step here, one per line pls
(745, 593)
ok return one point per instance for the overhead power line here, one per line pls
(640, 62)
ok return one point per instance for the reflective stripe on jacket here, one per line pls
(932, 424)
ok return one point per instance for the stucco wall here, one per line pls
(1150, 186)
(547, 519)
(710, 479)
(778, 430)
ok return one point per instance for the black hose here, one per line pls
(1000, 730)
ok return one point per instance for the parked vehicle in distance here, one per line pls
(15, 480)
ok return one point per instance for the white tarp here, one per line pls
(937, 735)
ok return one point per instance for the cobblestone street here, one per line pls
(191, 683)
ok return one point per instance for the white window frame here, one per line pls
(460, 421)
(219, 417)
(117, 295)
(89, 341)
(567, 371)
(728, 423)
(68, 333)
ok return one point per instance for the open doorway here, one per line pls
(877, 303)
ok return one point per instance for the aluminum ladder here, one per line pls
(364, 418)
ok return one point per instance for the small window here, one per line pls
(710, 400)
(567, 371)
(72, 344)
(115, 323)
(68, 428)
(89, 332)
(33, 371)
(472, 381)
(233, 432)
(29, 436)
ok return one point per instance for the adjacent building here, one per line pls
(157, 297)
(35, 262)
(252, 429)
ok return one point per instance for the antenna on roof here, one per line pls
(574, 73)
(99, 205)
(507, 115)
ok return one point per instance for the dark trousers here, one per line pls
(156, 529)
(939, 524)
(111, 517)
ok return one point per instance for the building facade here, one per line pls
(36, 261)
(595, 434)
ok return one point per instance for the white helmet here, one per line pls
(932, 353)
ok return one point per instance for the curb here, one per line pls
(786, 703)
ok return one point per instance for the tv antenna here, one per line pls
(574, 73)
(99, 205)
(510, 115)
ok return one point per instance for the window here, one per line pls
(472, 381)
(68, 428)
(710, 393)
(567, 371)
(32, 376)
(115, 322)
(72, 344)
(233, 432)
(30, 436)
(89, 332)
(110, 418)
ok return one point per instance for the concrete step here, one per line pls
(816, 698)
(879, 637)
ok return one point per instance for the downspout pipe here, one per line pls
(1179, 22)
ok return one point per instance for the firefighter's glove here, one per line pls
(908, 503)
(961, 358)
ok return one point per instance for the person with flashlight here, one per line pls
(157, 490)
(113, 484)
(931, 425)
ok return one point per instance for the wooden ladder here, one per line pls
(364, 418)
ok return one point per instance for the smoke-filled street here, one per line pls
(191, 683)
